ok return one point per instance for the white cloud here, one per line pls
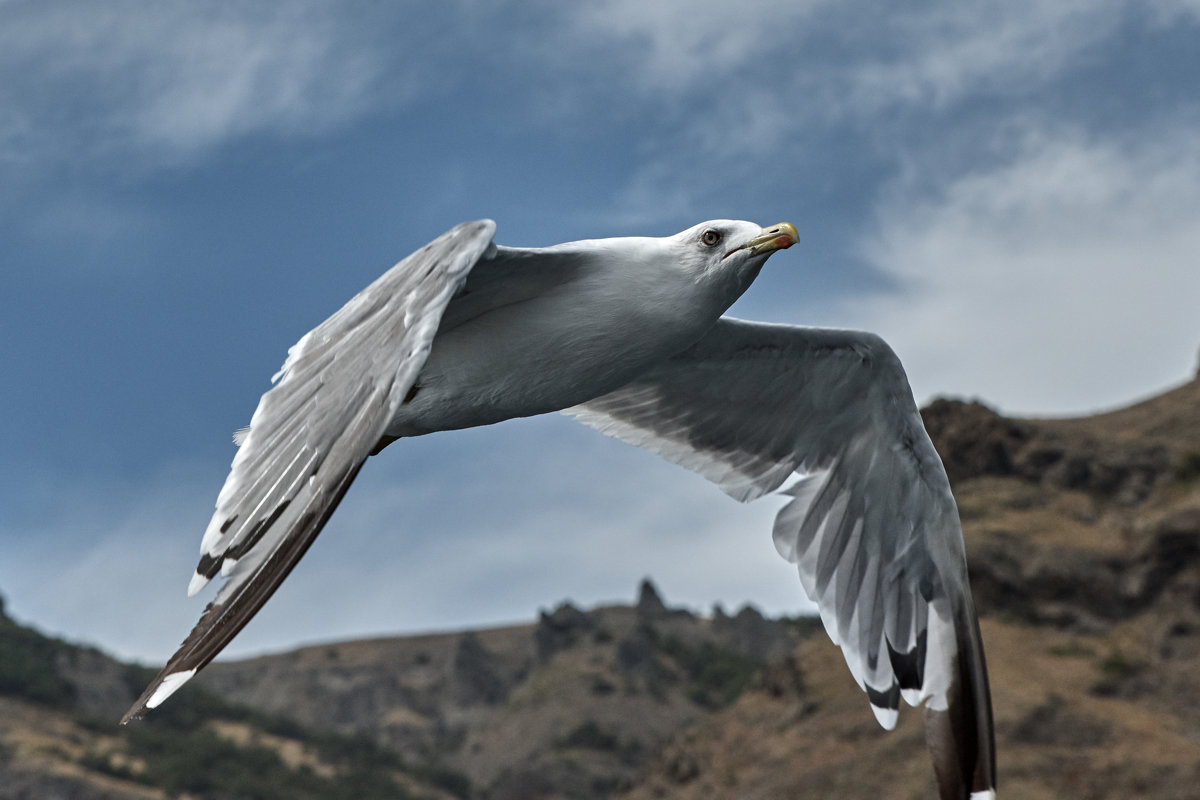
(176, 79)
(940, 54)
(170, 79)
(1170, 11)
(1060, 280)
(749, 94)
(679, 44)
(848, 57)
(865, 54)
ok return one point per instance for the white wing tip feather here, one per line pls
(887, 716)
(169, 686)
(210, 541)
(197, 583)
(986, 794)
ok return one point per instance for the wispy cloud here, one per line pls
(862, 55)
(854, 57)
(173, 80)
(1171, 10)
(1070, 266)
(168, 80)
(731, 89)
(675, 45)
(932, 56)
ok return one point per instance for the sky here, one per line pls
(1007, 190)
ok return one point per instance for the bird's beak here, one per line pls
(775, 237)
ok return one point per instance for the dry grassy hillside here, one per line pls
(574, 706)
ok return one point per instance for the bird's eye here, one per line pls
(710, 238)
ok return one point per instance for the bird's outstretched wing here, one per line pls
(309, 436)
(871, 525)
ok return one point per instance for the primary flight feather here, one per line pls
(628, 336)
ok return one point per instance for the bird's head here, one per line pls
(731, 250)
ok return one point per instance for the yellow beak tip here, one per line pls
(778, 237)
(788, 232)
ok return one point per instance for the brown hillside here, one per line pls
(574, 706)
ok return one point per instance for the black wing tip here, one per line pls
(140, 709)
(962, 764)
(214, 629)
(885, 704)
(165, 684)
(961, 738)
(909, 666)
(137, 711)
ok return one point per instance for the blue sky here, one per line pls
(1006, 190)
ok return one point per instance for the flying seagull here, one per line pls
(627, 335)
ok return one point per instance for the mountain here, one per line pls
(574, 705)
(59, 740)
(1083, 537)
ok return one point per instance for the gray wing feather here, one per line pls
(871, 524)
(312, 431)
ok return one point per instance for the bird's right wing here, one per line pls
(872, 524)
(333, 398)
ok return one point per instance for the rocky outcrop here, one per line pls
(975, 441)
(972, 439)
(649, 603)
(751, 633)
(561, 629)
(476, 677)
(1081, 590)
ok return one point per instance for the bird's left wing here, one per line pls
(872, 524)
(309, 436)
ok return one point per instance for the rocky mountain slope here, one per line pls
(59, 740)
(573, 706)
(1083, 537)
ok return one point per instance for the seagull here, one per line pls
(628, 336)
